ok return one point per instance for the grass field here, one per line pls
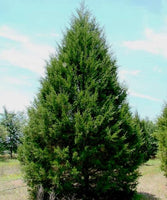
(152, 183)
(12, 186)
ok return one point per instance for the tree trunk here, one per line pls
(11, 152)
(86, 180)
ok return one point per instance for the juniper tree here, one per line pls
(162, 138)
(80, 140)
(149, 141)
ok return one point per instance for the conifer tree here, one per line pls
(149, 141)
(80, 140)
(162, 139)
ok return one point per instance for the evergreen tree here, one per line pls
(81, 140)
(149, 142)
(162, 138)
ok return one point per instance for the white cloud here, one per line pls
(124, 73)
(14, 100)
(29, 55)
(48, 35)
(143, 96)
(11, 34)
(9, 80)
(23, 59)
(19, 51)
(155, 43)
(157, 69)
(16, 93)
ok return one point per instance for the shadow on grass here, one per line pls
(147, 196)
(146, 164)
(3, 159)
(6, 157)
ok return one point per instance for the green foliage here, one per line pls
(11, 130)
(162, 138)
(149, 144)
(3, 135)
(81, 140)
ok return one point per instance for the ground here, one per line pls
(12, 186)
(152, 184)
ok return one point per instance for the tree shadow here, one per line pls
(146, 164)
(4, 158)
(148, 196)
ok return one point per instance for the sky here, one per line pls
(136, 30)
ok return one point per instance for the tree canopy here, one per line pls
(11, 130)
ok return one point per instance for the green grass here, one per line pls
(152, 184)
(152, 167)
(140, 197)
(10, 170)
(12, 186)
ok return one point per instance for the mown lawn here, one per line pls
(12, 186)
(152, 183)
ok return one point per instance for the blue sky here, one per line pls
(135, 30)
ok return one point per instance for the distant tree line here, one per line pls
(147, 129)
(154, 136)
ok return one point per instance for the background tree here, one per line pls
(81, 140)
(13, 124)
(3, 135)
(150, 144)
(162, 138)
